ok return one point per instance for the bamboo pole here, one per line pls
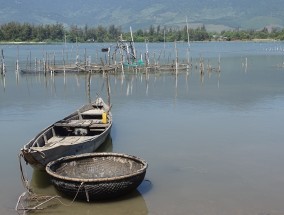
(147, 54)
(89, 87)
(53, 60)
(164, 39)
(85, 57)
(188, 44)
(176, 51)
(30, 61)
(134, 51)
(64, 70)
(3, 67)
(219, 64)
(108, 54)
(108, 89)
(17, 61)
(35, 69)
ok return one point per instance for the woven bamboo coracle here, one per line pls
(97, 176)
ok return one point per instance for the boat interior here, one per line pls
(77, 128)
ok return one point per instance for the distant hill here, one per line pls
(214, 14)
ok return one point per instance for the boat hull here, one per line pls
(83, 131)
(39, 159)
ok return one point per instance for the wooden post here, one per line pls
(35, 68)
(108, 89)
(3, 67)
(176, 57)
(85, 56)
(30, 61)
(3, 61)
(147, 54)
(108, 54)
(63, 62)
(67, 60)
(17, 62)
(188, 44)
(89, 87)
(97, 56)
(219, 64)
(133, 47)
(164, 39)
(44, 64)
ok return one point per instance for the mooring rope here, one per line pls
(25, 181)
(77, 192)
(67, 205)
(30, 195)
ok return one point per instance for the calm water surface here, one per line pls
(214, 142)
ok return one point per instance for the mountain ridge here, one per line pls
(214, 14)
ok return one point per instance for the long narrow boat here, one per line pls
(81, 132)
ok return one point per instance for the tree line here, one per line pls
(18, 32)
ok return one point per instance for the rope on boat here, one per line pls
(41, 153)
(67, 205)
(29, 194)
(27, 186)
(77, 192)
(24, 179)
(33, 197)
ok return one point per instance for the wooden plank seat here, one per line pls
(93, 112)
(65, 140)
(82, 124)
(99, 125)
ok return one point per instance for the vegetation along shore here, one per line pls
(18, 32)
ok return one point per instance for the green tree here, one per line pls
(57, 32)
(151, 30)
(101, 34)
(26, 32)
(75, 34)
(10, 31)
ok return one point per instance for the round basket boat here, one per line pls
(97, 176)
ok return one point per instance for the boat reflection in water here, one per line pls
(106, 146)
(131, 203)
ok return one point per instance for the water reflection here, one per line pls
(3, 81)
(222, 125)
(128, 80)
(132, 203)
(206, 73)
(106, 146)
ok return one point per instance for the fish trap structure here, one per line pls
(97, 176)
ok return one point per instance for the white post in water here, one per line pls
(188, 48)
(35, 69)
(3, 67)
(219, 64)
(134, 51)
(164, 39)
(147, 53)
(17, 61)
(176, 57)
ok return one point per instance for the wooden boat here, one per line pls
(67, 69)
(32, 72)
(81, 132)
(97, 176)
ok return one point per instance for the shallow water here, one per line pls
(214, 143)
